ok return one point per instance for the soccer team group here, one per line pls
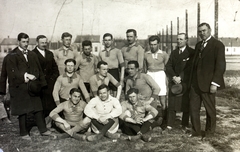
(124, 94)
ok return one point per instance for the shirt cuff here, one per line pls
(25, 77)
(213, 83)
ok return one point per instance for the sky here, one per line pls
(148, 17)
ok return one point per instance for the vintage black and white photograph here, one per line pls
(119, 75)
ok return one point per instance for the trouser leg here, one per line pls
(130, 128)
(40, 121)
(23, 124)
(171, 117)
(209, 103)
(101, 127)
(195, 106)
(185, 119)
(145, 127)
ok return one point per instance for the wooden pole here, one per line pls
(216, 19)
(171, 37)
(167, 39)
(186, 22)
(177, 25)
(163, 39)
(198, 20)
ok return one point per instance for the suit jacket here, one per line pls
(14, 67)
(210, 67)
(179, 65)
(51, 73)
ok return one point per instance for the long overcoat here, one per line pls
(51, 73)
(14, 67)
(180, 65)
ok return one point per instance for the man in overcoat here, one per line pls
(178, 70)
(206, 78)
(50, 71)
(22, 69)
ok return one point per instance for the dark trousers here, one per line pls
(87, 85)
(172, 117)
(208, 99)
(116, 74)
(101, 127)
(132, 129)
(38, 116)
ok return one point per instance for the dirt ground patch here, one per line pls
(227, 137)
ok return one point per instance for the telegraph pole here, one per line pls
(177, 25)
(216, 19)
(162, 39)
(186, 22)
(198, 20)
(167, 39)
(171, 37)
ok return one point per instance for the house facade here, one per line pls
(95, 39)
(8, 44)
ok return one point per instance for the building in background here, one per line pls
(95, 39)
(232, 45)
(8, 44)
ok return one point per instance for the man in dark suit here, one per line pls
(50, 71)
(178, 70)
(22, 69)
(209, 66)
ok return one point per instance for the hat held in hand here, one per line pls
(179, 89)
(34, 87)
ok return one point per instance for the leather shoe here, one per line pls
(112, 136)
(146, 137)
(79, 137)
(27, 137)
(94, 137)
(49, 133)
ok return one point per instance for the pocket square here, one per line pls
(186, 59)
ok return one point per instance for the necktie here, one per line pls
(65, 52)
(201, 48)
(180, 51)
(88, 58)
(107, 53)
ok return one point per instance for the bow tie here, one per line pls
(25, 52)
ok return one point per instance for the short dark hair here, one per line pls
(66, 34)
(22, 36)
(70, 60)
(202, 24)
(101, 63)
(153, 38)
(132, 30)
(86, 43)
(107, 34)
(132, 90)
(74, 90)
(134, 62)
(40, 37)
(102, 86)
(186, 36)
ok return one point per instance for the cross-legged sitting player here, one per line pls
(73, 113)
(136, 117)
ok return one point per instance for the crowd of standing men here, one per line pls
(81, 92)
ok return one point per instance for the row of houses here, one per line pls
(232, 45)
